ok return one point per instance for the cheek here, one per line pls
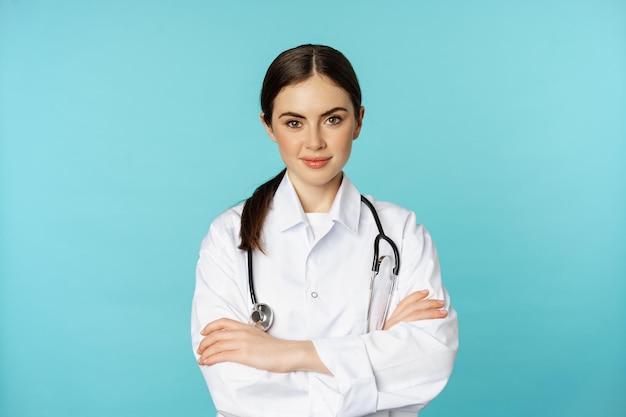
(287, 146)
(348, 148)
(344, 150)
(345, 142)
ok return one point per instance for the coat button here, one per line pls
(314, 294)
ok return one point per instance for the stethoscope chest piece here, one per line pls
(262, 316)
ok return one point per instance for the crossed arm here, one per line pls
(227, 340)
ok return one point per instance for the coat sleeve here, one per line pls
(221, 291)
(408, 365)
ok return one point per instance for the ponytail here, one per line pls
(254, 213)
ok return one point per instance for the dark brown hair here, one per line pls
(291, 67)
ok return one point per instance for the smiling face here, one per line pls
(314, 124)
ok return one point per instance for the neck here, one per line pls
(317, 198)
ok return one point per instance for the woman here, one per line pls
(308, 238)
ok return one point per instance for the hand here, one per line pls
(414, 307)
(227, 340)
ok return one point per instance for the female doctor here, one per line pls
(303, 244)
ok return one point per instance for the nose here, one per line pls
(315, 140)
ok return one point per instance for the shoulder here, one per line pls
(397, 220)
(390, 211)
(225, 228)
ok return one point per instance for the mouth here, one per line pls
(315, 162)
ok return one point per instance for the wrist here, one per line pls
(303, 357)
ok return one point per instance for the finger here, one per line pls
(413, 310)
(215, 325)
(218, 352)
(231, 346)
(418, 314)
(426, 305)
(243, 333)
(219, 324)
(220, 341)
(413, 297)
(226, 356)
(418, 305)
(215, 336)
(425, 315)
(206, 342)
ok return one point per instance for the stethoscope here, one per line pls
(262, 315)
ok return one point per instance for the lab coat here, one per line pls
(318, 287)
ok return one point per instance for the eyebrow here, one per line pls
(326, 113)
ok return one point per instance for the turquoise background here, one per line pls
(127, 126)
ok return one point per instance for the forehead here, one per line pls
(316, 94)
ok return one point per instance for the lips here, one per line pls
(315, 163)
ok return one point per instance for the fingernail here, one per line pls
(423, 291)
(444, 312)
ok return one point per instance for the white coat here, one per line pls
(319, 288)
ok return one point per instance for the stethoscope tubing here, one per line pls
(263, 316)
(383, 236)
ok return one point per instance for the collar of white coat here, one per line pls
(288, 211)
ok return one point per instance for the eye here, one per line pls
(333, 120)
(294, 124)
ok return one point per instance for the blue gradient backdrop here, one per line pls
(127, 126)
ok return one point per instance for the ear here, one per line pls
(359, 123)
(268, 128)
